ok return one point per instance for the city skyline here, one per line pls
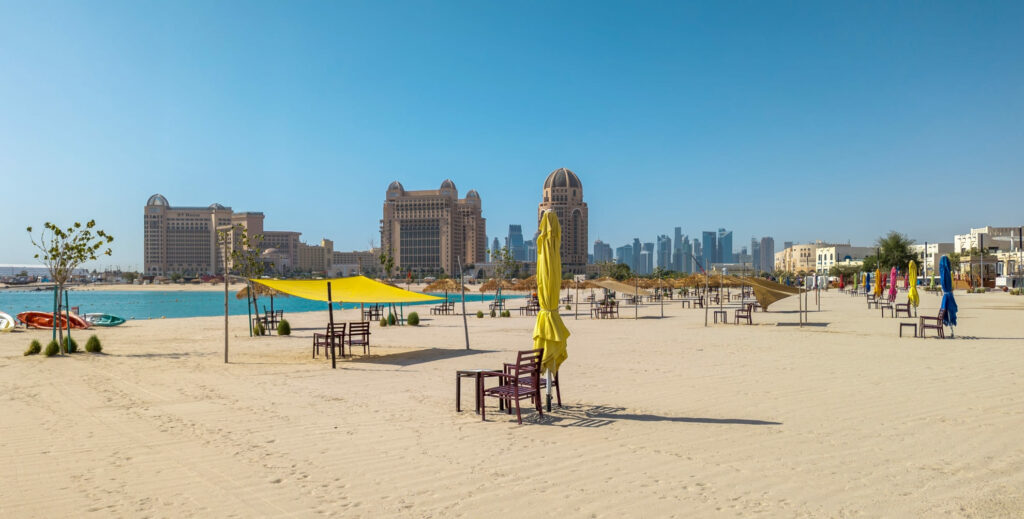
(743, 112)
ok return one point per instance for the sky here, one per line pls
(803, 121)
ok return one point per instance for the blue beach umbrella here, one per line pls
(948, 303)
(867, 282)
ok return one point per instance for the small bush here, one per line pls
(383, 322)
(568, 307)
(1017, 291)
(70, 345)
(506, 313)
(34, 348)
(492, 313)
(93, 345)
(258, 329)
(480, 314)
(391, 319)
(414, 318)
(283, 328)
(51, 349)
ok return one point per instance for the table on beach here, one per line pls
(479, 375)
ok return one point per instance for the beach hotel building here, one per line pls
(797, 258)
(184, 240)
(431, 231)
(563, 193)
(928, 255)
(828, 256)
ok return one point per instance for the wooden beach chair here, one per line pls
(517, 382)
(744, 313)
(333, 336)
(359, 335)
(932, 323)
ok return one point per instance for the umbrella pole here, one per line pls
(330, 317)
(547, 375)
(462, 281)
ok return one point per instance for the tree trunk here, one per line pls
(56, 319)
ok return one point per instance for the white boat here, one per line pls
(6, 322)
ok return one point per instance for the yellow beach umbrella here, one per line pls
(550, 332)
(912, 296)
(878, 282)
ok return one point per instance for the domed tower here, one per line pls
(563, 193)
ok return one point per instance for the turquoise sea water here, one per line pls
(148, 304)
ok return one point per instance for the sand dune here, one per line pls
(663, 418)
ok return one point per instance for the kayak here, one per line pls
(103, 319)
(6, 322)
(44, 320)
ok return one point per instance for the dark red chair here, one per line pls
(519, 381)
(333, 337)
(359, 335)
(933, 323)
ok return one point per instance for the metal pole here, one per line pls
(981, 259)
(225, 300)
(636, 293)
(330, 314)
(462, 280)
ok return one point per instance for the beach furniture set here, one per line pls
(335, 337)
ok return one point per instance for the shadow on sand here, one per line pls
(599, 416)
(818, 325)
(410, 358)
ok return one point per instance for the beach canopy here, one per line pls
(948, 303)
(912, 296)
(616, 286)
(767, 292)
(355, 289)
(549, 333)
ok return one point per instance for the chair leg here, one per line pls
(519, 415)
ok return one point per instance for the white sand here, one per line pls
(663, 418)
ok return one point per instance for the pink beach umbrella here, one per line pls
(892, 284)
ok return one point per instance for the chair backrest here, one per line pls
(359, 328)
(528, 365)
(942, 315)
(336, 328)
(279, 313)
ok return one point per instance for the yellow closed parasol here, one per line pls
(549, 333)
(912, 296)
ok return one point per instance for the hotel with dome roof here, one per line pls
(563, 193)
(429, 231)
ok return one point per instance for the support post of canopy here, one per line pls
(330, 319)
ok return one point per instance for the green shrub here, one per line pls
(93, 345)
(283, 328)
(391, 319)
(258, 328)
(414, 318)
(506, 313)
(492, 313)
(51, 349)
(34, 348)
(480, 314)
(70, 345)
(568, 307)
(1017, 292)
(383, 322)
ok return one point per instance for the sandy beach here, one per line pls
(662, 418)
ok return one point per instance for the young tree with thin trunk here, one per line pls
(63, 250)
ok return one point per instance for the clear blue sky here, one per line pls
(798, 120)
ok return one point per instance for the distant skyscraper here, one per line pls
(531, 250)
(698, 252)
(602, 252)
(677, 250)
(724, 250)
(624, 255)
(709, 249)
(514, 242)
(787, 245)
(687, 259)
(645, 260)
(767, 254)
(665, 252)
(755, 254)
(637, 249)
(495, 245)
(647, 264)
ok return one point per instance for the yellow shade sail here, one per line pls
(549, 333)
(355, 289)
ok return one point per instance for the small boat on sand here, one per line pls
(44, 320)
(6, 322)
(103, 319)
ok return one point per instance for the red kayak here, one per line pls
(44, 320)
